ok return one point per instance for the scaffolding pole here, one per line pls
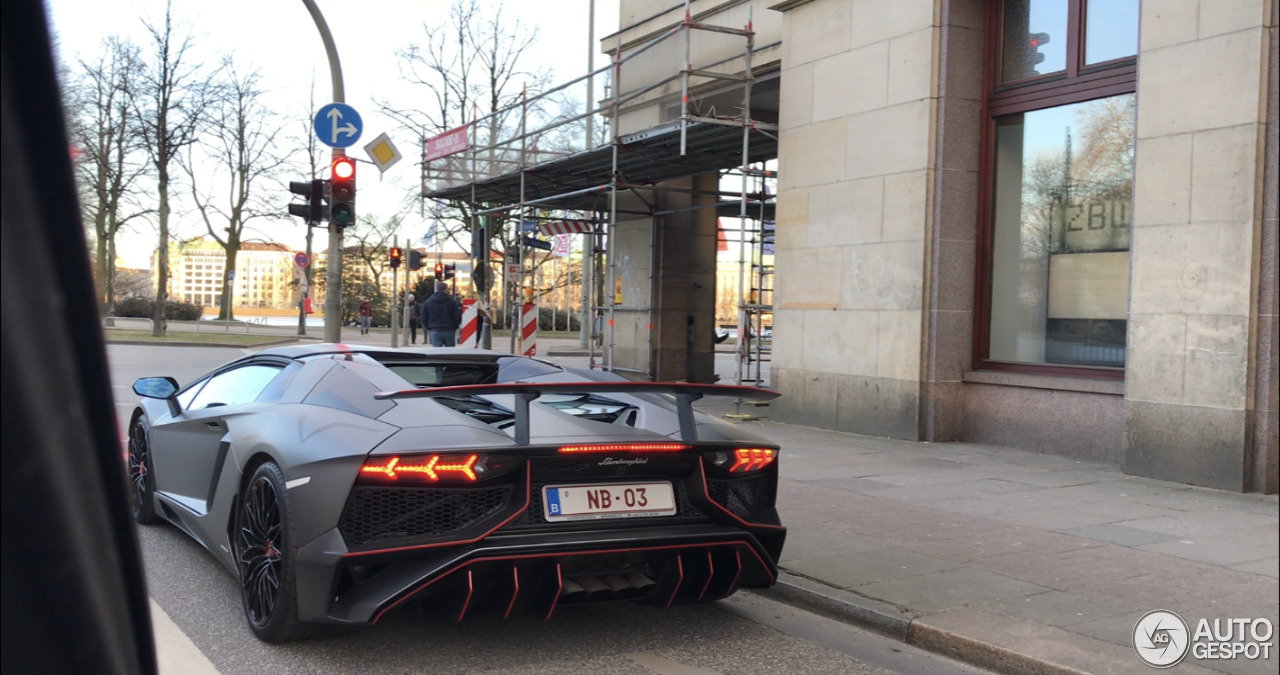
(601, 273)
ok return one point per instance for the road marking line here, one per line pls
(176, 654)
(665, 666)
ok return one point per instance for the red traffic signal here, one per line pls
(342, 191)
(396, 255)
(344, 168)
(439, 270)
(1034, 42)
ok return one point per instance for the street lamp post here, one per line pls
(333, 271)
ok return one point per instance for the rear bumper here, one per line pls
(538, 572)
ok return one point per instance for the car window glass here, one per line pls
(235, 386)
(512, 368)
(446, 375)
(186, 395)
(275, 390)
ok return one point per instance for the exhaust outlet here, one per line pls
(594, 587)
(639, 581)
(572, 590)
(616, 583)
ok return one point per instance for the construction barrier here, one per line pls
(529, 329)
(469, 335)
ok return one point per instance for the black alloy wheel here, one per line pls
(141, 478)
(265, 552)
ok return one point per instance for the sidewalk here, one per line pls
(1014, 561)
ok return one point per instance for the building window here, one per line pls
(1058, 186)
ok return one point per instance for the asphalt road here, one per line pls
(748, 633)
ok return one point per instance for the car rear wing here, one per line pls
(685, 394)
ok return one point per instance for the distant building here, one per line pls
(265, 275)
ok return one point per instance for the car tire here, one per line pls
(141, 475)
(266, 555)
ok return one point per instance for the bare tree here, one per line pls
(107, 137)
(307, 139)
(241, 152)
(171, 104)
(477, 63)
(365, 261)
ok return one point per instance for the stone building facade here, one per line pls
(1045, 224)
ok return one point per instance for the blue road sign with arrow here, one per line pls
(338, 125)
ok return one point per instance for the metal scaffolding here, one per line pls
(755, 283)
(504, 172)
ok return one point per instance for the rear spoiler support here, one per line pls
(525, 392)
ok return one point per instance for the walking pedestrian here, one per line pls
(414, 319)
(441, 317)
(366, 316)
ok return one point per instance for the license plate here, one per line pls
(617, 500)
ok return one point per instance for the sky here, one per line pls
(278, 38)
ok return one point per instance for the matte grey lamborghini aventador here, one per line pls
(338, 482)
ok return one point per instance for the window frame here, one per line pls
(1077, 84)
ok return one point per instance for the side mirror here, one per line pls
(155, 387)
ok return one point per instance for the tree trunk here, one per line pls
(162, 255)
(101, 271)
(111, 276)
(226, 313)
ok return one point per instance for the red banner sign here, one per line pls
(450, 142)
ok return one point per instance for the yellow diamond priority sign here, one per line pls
(382, 152)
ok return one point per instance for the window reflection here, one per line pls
(1111, 30)
(1034, 38)
(1062, 212)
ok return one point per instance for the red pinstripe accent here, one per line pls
(555, 598)
(533, 556)
(679, 579)
(455, 542)
(737, 574)
(466, 602)
(515, 580)
(702, 469)
(711, 572)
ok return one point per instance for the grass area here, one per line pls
(210, 338)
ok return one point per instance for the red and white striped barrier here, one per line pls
(469, 335)
(529, 329)
(566, 227)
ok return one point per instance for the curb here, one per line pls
(981, 653)
(273, 343)
(556, 351)
(895, 622)
(844, 606)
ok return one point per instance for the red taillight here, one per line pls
(751, 459)
(626, 447)
(430, 467)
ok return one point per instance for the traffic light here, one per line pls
(342, 193)
(313, 193)
(1034, 42)
(415, 260)
(439, 271)
(396, 254)
(450, 270)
